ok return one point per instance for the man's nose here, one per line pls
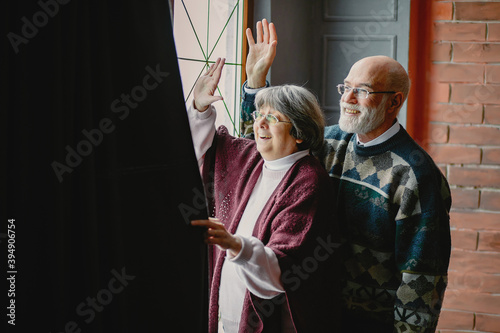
(350, 97)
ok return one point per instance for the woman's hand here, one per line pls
(217, 234)
(261, 54)
(206, 85)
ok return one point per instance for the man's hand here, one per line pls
(261, 54)
(218, 235)
(206, 85)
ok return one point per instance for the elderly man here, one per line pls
(393, 202)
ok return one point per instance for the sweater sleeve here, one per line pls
(202, 125)
(257, 266)
(422, 256)
(247, 107)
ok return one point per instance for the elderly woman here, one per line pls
(271, 268)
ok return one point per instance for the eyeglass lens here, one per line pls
(269, 117)
(359, 92)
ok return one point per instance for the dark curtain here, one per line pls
(101, 176)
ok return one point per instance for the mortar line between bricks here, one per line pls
(468, 21)
(465, 124)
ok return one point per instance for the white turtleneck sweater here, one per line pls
(256, 267)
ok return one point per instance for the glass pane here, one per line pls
(205, 30)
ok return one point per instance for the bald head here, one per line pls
(383, 73)
(371, 116)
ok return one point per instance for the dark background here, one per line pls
(118, 209)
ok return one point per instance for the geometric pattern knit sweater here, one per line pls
(393, 204)
(393, 209)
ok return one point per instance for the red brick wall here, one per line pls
(463, 137)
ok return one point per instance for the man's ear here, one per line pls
(396, 102)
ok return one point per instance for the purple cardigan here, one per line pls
(297, 223)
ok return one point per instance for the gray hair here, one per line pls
(302, 108)
(398, 80)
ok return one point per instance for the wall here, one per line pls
(463, 137)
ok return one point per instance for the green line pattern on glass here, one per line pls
(194, 30)
(207, 61)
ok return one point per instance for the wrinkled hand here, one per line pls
(217, 234)
(261, 54)
(206, 85)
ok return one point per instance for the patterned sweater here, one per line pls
(393, 205)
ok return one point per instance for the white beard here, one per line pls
(366, 121)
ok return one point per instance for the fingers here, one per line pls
(273, 36)
(213, 67)
(265, 28)
(218, 68)
(266, 33)
(250, 40)
(259, 32)
(213, 223)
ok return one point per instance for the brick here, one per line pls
(440, 93)
(492, 114)
(474, 281)
(442, 11)
(438, 133)
(489, 241)
(474, 176)
(456, 320)
(471, 301)
(492, 74)
(464, 239)
(455, 154)
(474, 135)
(490, 200)
(464, 198)
(474, 261)
(494, 32)
(452, 31)
(475, 220)
(475, 93)
(457, 113)
(491, 156)
(459, 73)
(488, 322)
(469, 11)
(476, 52)
(441, 51)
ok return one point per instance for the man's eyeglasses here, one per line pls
(360, 92)
(271, 119)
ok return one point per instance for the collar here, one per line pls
(381, 138)
(286, 162)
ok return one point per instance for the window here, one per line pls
(205, 30)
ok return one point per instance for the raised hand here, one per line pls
(206, 85)
(261, 54)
